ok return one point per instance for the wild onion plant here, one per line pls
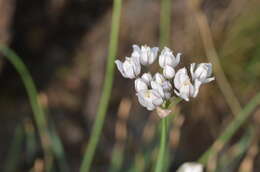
(155, 92)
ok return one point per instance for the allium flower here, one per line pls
(167, 58)
(191, 167)
(152, 91)
(130, 68)
(150, 99)
(183, 85)
(146, 54)
(162, 86)
(140, 85)
(201, 75)
(168, 72)
(147, 78)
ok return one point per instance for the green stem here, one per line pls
(165, 23)
(161, 157)
(231, 129)
(39, 116)
(109, 76)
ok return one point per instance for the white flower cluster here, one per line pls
(153, 91)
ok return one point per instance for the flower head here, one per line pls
(153, 91)
(150, 99)
(167, 58)
(130, 68)
(146, 54)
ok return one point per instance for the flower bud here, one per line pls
(168, 72)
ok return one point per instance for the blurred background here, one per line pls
(64, 44)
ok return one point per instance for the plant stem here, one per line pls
(161, 157)
(165, 23)
(109, 76)
(230, 130)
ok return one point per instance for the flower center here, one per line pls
(186, 82)
(147, 94)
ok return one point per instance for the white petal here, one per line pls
(209, 80)
(128, 69)
(141, 99)
(197, 85)
(156, 86)
(140, 85)
(159, 78)
(136, 66)
(119, 65)
(178, 80)
(168, 72)
(153, 54)
(192, 67)
(191, 167)
(136, 51)
(147, 78)
(177, 60)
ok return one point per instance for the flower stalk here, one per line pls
(109, 76)
(163, 141)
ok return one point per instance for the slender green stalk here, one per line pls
(161, 157)
(109, 76)
(231, 129)
(165, 26)
(39, 116)
(117, 159)
(165, 22)
(15, 150)
(38, 112)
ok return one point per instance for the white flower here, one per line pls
(201, 75)
(191, 167)
(147, 78)
(150, 99)
(183, 85)
(130, 68)
(162, 86)
(146, 54)
(167, 58)
(140, 84)
(168, 72)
